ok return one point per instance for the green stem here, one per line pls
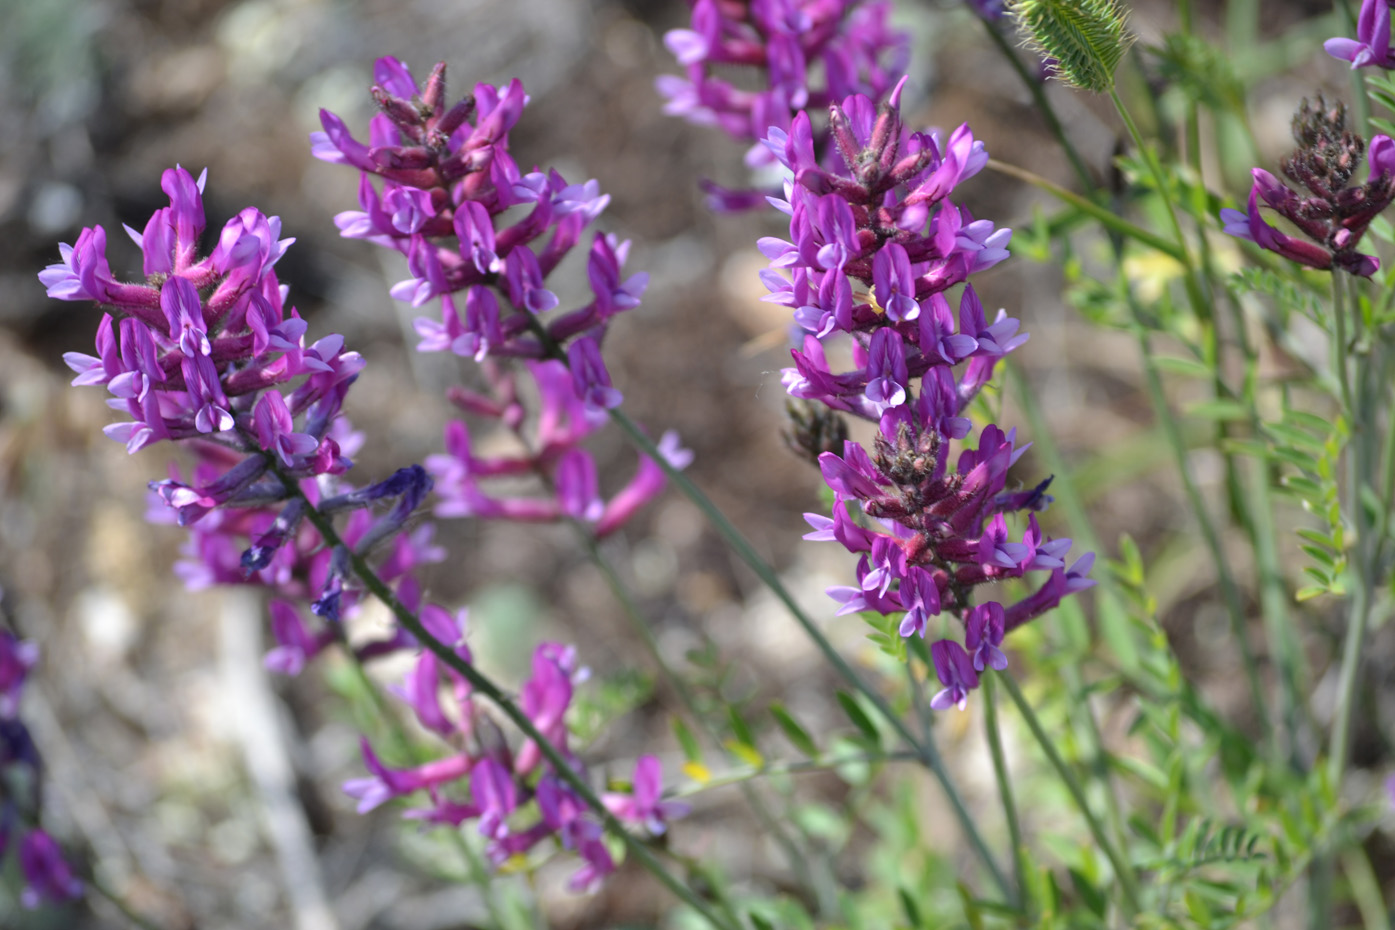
(402, 745)
(1229, 591)
(483, 685)
(772, 825)
(1106, 217)
(797, 767)
(1043, 104)
(1359, 457)
(1000, 772)
(819, 891)
(1128, 882)
(1195, 293)
(1365, 889)
(928, 753)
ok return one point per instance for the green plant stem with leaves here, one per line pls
(1352, 360)
(1123, 869)
(486, 687)
(819, 890)
(1005, 794)
(925, 750)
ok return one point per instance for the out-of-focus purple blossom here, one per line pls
(48, 879)
(17, 657)
(644, 804)
(485, 782)
(1371, 47)
(813, 52)
(1337, 213)
(563, 422)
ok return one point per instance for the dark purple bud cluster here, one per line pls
(875, 244)
(1335, 214)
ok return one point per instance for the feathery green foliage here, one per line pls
(1085, 39)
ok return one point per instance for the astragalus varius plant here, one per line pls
(1122, 791)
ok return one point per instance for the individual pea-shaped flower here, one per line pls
(644, 805)
(956, 672)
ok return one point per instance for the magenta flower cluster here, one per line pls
(439, 186)
(446, 184)
(1333, 214)
(447, 181)
(875, 244)
(205, 352)
(48, 878)
(514, 797)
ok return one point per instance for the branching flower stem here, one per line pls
(1004, 778)
(483, 685)
(926, 751)
(928, 754)
(818, 890)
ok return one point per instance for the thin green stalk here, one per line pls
(1000, 772)
(1387, 470)
(1106, 217)
(474, 863)
(1043, 104)
(1359, 458)
(485, 686)
(1128, 882)
(819, 891)
(1365, 889)
(929, 754)
(1229, 591)
(1195, 293)
(796, 767)
(1192, 117)
(1340, 346)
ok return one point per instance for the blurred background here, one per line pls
(208, 805)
